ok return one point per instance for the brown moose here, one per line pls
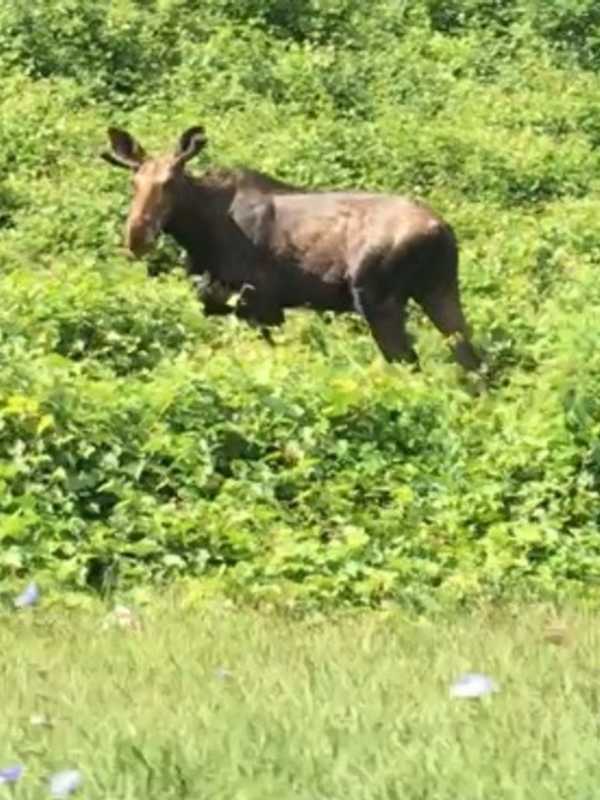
(282, 247)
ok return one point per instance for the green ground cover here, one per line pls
(141, 442)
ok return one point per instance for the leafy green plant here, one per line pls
(141, 442)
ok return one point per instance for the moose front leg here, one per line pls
(214, 306)
(213, 296)
(259, 310)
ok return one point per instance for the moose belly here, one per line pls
(319, 288)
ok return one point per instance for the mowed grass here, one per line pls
(228, 704)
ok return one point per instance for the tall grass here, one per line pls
(230, 704)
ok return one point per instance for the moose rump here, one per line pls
(354, 251)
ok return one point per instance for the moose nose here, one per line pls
(137, 240)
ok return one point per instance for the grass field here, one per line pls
(227, 704)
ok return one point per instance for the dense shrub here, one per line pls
(141, 441)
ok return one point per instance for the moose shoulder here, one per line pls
(283, 247)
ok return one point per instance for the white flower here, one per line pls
(473, 685)
(28, 597)
(62, 784)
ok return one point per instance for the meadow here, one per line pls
(142, 444)
(214, 703)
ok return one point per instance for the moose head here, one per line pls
(155, 182)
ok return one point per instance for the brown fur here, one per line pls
(283, 247)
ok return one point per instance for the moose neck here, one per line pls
(199, 218)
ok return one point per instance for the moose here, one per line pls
(280, 246)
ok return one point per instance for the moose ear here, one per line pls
(191, 142)
(126, 151)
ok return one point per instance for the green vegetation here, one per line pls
(220, 704)
(141, 442)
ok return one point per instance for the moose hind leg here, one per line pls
(387, 321)
(444, 309)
